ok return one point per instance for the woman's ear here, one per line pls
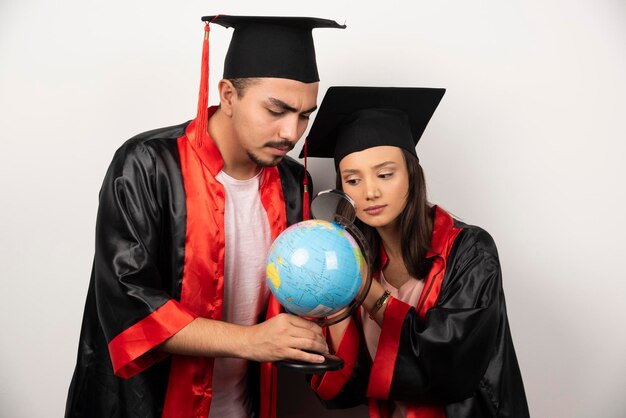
(228, 95)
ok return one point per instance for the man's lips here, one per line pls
(282, 150)
(374, 210)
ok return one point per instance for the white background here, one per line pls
(528, 143)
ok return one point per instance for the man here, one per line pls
(173, 323)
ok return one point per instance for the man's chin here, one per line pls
(271, 163)
(265, 162)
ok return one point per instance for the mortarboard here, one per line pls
(352, 119)
(267, 46)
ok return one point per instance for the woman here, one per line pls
(432, 337)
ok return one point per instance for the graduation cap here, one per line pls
(263, 46)
(353, 119)
(269, 46)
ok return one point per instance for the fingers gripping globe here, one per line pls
(315, 268)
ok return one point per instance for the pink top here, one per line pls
(408, 293)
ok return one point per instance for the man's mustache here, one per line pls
(281, 144)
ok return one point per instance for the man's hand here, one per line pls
(284, 337)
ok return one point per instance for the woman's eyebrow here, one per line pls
(376, 167)
(349, 171)
(383, 164)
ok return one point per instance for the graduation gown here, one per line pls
(451, 355)
(158, 265)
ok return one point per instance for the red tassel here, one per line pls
(203, 96)
(306, 209)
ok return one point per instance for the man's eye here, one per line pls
(305, 117)
(274, 113)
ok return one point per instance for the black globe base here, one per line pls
(331, 363)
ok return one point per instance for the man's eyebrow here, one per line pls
(311, 110)
(285, 106)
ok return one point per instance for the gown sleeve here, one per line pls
(443, 357)
(135, 310)
(345, 388)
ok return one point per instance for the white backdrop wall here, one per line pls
(528, 143)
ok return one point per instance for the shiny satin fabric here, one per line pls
(453, 356)
(126, 283)
(136, 294)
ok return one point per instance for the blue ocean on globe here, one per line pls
(314, 268)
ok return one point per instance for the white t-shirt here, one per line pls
(248, 238)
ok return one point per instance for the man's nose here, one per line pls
(289, 128)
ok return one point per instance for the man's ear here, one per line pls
(228, 95)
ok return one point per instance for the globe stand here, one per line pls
(331, 363)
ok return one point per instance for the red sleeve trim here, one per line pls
(131, 350)
(269, 377)
(329, 384)
(387, 350)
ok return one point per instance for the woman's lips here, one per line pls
(374, 210)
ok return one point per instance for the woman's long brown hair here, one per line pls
(415, 222)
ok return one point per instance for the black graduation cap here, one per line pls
(352, 119)
(270, 46)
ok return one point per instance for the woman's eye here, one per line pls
(385, 175)
(351, 182)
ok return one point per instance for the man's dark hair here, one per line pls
(241, 84)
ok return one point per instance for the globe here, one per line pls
(315, 268)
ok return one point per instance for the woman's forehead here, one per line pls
(372, 158)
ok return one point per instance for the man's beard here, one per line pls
(275, 159)
(261, 163)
